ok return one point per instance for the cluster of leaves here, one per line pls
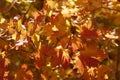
(59, 40)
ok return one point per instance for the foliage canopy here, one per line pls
(59, 39)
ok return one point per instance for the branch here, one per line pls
(9, 7)
(117, 62)
(26, 13)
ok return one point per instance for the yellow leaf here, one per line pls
(110, 36)
(2, 20)
(52, 4)
(10, 1)
(19, 25)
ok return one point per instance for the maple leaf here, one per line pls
(89, 34)
(60, 58)
(89, 61)
(74, 47)
(91, 49)
(40, 60)
(2, 67)
(65, 59)
(103, 72)
(56, 58)
(77, 45)
(78, 65)
(59, 18)
(47, 30)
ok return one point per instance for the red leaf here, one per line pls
(89, 61)
(87, 33)
(65, 59)
(61, 58)
(40, 60)
(56, 58)
(2, 67)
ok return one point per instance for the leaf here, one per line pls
(19, 25)
(47, 30)
(93, 54)
(110, 36)
(103, 72)
(31, 28)
(116, 20)
(118, 0)
(74, 47)
(35, 38)
(29, 75)
(10, 1)
(67, 12)
(89, 34)
(91, 49)
(57, 19)
(40, 60)
(3, 43)
(65, 59)
(60, 58)
(89, 61)
(78, 65)
(95, 3)
(43, 77)
(56, 58)
(21, 72)
(2, 67)
(50, 4)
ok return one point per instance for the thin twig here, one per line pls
(9, 7)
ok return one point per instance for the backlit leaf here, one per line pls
(78, 65)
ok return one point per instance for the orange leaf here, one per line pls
(43, 76)
(65, 59)
(79, 65)
(103, 72)
(91, 49)
(57, 19)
